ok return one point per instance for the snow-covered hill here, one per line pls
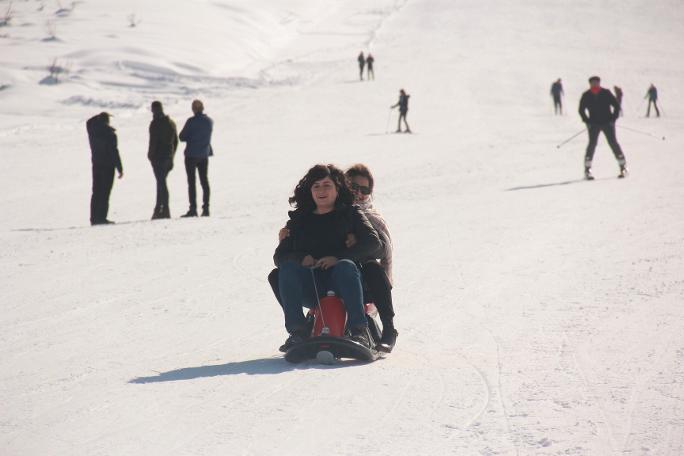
(538, 313)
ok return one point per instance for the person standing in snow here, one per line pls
(652, 95)
(618, 96)
(105, 160)
(197, 135)
(598, 102)
(403, 110)
(557, 94)
(362, 62)
(369, 65)
(161, 150)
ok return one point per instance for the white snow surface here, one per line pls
(538, 314)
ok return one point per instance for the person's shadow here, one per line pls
(264, 366)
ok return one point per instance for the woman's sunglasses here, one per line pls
(361, 188)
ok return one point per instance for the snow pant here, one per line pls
(296, 289)
(380, 289)
(402, 115)
(609, 131)
(103, 180)
(655, 105)
(377, 284)
(361, 71)
(202, 167)
(557, 105)
(371, 73)
(161, 170)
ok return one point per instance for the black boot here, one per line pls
(192, 212)
(156, 214)
(205, 211)
(388, 339)
(296, 337)
(361, 335)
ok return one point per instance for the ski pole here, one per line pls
(570, 138)
(389, 117)
(642, 132)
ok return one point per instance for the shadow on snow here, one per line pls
(554, 184)
(263, 366)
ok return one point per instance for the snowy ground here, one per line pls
(539, 314)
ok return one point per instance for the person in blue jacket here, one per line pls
(197, 135)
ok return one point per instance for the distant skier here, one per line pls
(369, 65)
(618, 96)
(197, 135)
(105, 159)
(652, 95)
(161, 150)
(598, 102)
(557, 94)
(403, 110)
(362, 62)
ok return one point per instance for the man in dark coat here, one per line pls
(362, 62)
(197, 135)
(403, 110)
(598, 102)
(369, 64)
(557, 94)
(652, 96)
(105, 160)
(162, 148)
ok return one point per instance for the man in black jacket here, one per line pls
(162, 148)
(598, 102)
(403, 110)
(105, 159)
(557, 94)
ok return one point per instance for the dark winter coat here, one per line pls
(599, 107)
(197, 135)
(163, 140)
(103, 144)
(652, 94)
(402, 103)
(369, 61)
(326, 235)
(556, 90)
(361, 60)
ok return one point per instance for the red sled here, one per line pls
(328, 342)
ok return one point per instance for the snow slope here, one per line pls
(538, 314)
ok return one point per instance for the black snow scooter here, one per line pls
(328, 343)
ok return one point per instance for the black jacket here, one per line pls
(103, 143)
(599, 107)
(325, 235)
(163, 140)
(402, 103)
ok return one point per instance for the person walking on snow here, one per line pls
(618, 96)
(598, 101)
(362, 62)
(162, 148)
(652, 95)
(105, 159)
(369, 65)
(557, 93)
(197, 135)
(403, 110)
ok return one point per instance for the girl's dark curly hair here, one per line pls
(302, 199)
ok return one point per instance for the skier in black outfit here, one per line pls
(598, 102)
(652, 95)
(362, 62)
(557, 94)
(161, 150)
(105, 159)
(403, 110)
(369, 65)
